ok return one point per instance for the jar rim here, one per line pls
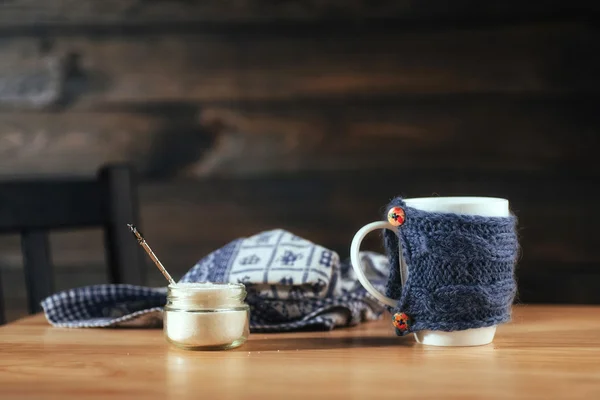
(205, 287)
(205, 295)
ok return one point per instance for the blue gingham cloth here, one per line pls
(292, 284)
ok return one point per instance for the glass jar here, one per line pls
(206, 316)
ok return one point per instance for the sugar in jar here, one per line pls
(206, 316)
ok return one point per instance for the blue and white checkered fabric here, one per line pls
(292, 284)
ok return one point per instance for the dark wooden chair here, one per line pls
(33, 208)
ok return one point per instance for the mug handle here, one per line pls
(356, 264)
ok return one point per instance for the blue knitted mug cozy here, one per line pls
(460, 270)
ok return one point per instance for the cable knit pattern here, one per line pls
(461, 269)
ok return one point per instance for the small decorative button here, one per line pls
(401, 322)
(396, 216)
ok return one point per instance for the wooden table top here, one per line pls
(546, 352)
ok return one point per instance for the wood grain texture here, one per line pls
(527, 360)
(73, 144)
(36, 13)
(512, 134)
(233, 67)
(36, 83)
(460, 133)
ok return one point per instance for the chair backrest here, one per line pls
(33, 208)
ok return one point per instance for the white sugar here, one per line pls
(205, 329)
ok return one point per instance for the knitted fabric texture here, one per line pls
(460, 269)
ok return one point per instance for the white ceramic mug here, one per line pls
(482, 206)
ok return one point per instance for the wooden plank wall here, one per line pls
(249, 115)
